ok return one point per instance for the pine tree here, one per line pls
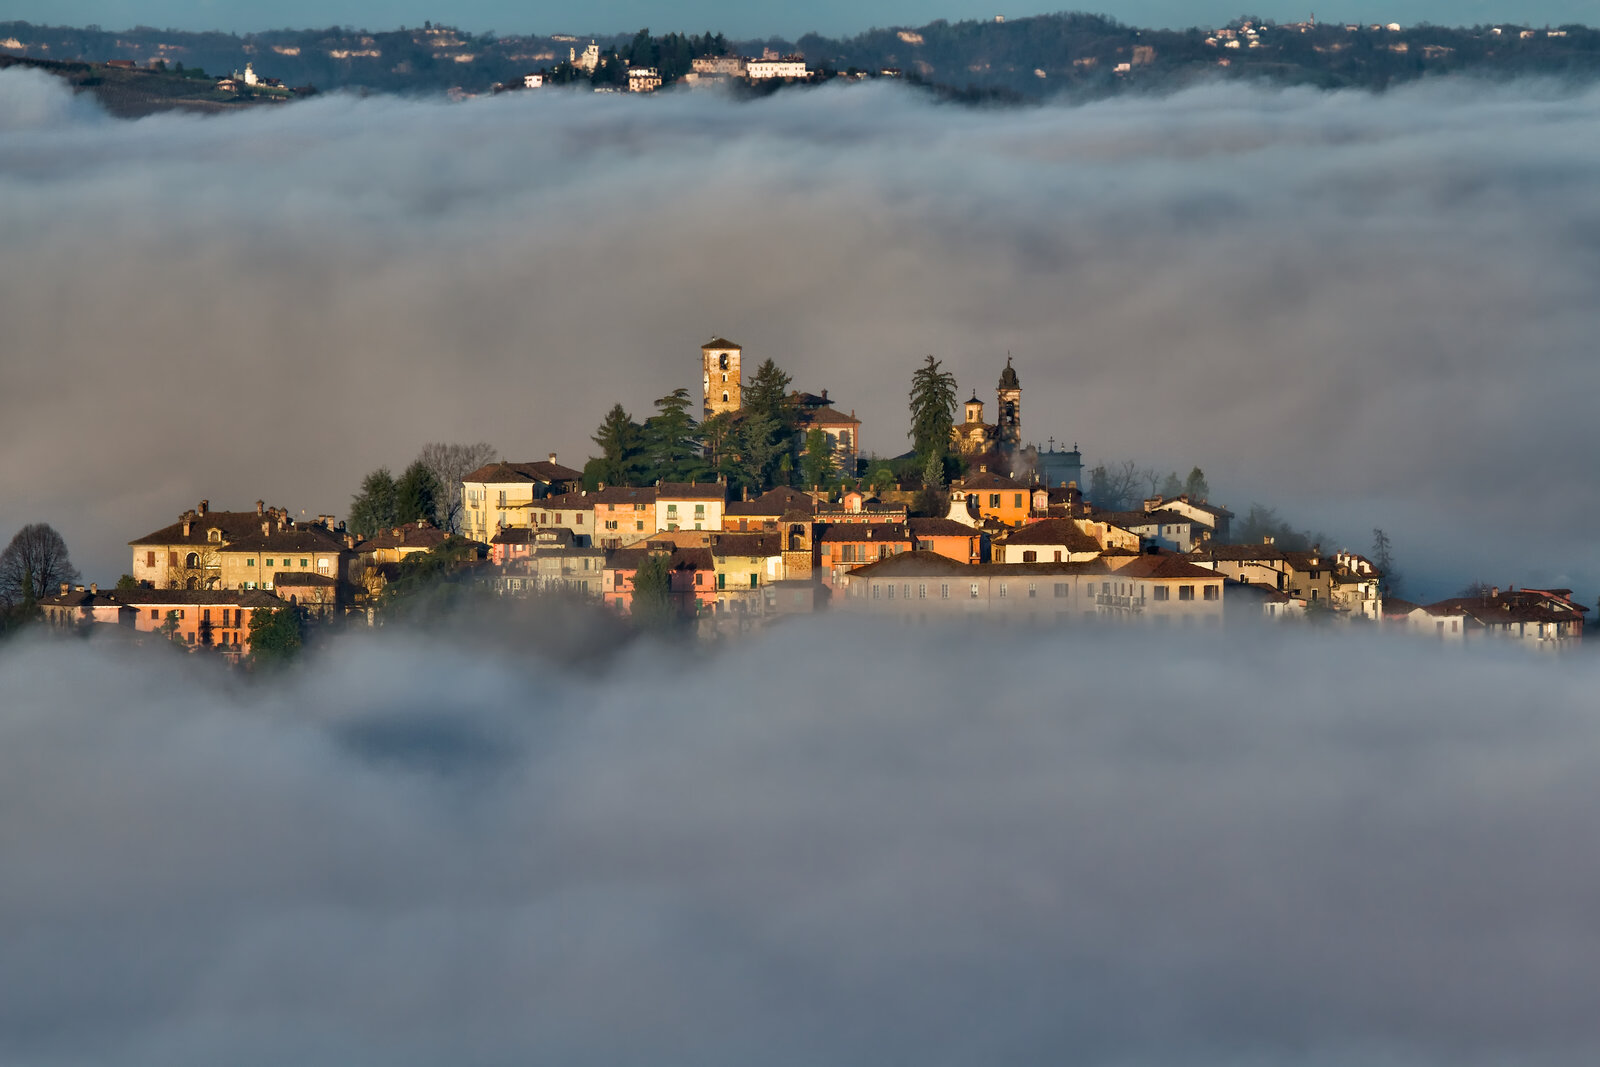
(671, 447)
(653, 606)
(376, 507)
(1196, 486)
(417, 495)
(817, 467)
(933, 409)
(621, 444)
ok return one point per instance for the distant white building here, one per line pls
(787, 67)
(643, 80)
(588, 61)
(533, 81)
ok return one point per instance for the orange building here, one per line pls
(199, 618)
(947, 537)
(997, 497)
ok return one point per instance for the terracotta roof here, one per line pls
(931, 527)
(1165, 565)
(299, 578)
(780, 501)
(1062, 532)
(827, 416)
(1239, 553)
(629, 559)
(539, 471)
(691, 491)
(233, 524)
(514, 535)
(239, 598)
(570, 501)
(293, 539)
(865, 531)
(746, 544)
(930, 563)
(409, 536)
(990, 480)
(623, 494)
(721, 342)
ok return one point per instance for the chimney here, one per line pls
(349, 540)
(1495, 592)
(261, 506)
(94, 587)
(66, 587)
(266, 528)
(552, 457)
(204, 505)
(186, 524)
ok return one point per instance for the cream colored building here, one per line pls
(689, 505)
(491, 494)
(787, 67)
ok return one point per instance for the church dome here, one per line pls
(1008, 377)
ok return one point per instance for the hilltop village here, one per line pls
(775, 514)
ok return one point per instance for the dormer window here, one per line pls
(213, 534)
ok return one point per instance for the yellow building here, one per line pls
(491, 495)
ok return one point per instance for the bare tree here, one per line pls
(34, 564)
(449, 462)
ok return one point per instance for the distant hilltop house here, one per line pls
(643, 79)
(249, 79)
(785, 67)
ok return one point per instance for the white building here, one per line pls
(533, 81)
(787, 67)
(643, 80)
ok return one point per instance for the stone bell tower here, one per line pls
(723, 386)
(1008, 421)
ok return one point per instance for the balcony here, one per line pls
(1119, 603)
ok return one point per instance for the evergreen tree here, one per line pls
(376, 507)
(817, 467)
(1383, 559)
(1196, 486)
(621, 445)
(759, 448)
(933, 499)
(768, 394)
(653, 607)
(276, 634)
(769, 408)
(418, 495)
(1172, 488)
(933, 409)
(671, 448)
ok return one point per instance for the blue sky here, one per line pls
(750, 18)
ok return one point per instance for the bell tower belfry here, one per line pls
(1008, 421)
(723, 385)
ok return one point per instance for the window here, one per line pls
(611, 524)
(1030, 557)
(722, 361)
(1160, 592)
(639, 525)
(1058, 555)
(922, 591)
(304, 564)
(755, 581)
(877, 590)
(994, 500)
(1002, 590)
(891, 590)
(722, 581)
(155, 613)
(847, 554)
(269, 562)
(322, 564)
(1063, 589)
(249, 563)
(974, 590)
(502, 498)
(1212, 592)
(1105, 588)
(1033, 590)
(672, 509)
(905, 591)
(724, 398)
(699, 578)
(1185, 592)
(1017, 501)
(699, 509)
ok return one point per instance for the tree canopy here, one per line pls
(377, 506)
(34, 564)
(621, 444)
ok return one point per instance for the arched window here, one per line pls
(192, 560)
(722, 361)
(724, 398)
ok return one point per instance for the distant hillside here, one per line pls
(131, 93)
(1033, 57)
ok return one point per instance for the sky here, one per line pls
(1303, 850)
(759, 19)
(1363, 310)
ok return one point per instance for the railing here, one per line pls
(1112, 600)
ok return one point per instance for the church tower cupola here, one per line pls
(1008, 423)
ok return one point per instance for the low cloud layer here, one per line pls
(1368, 310)
(1300, 852)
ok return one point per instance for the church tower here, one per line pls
(1008, 423)
(722, 381)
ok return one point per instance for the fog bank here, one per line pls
(1296, 852)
